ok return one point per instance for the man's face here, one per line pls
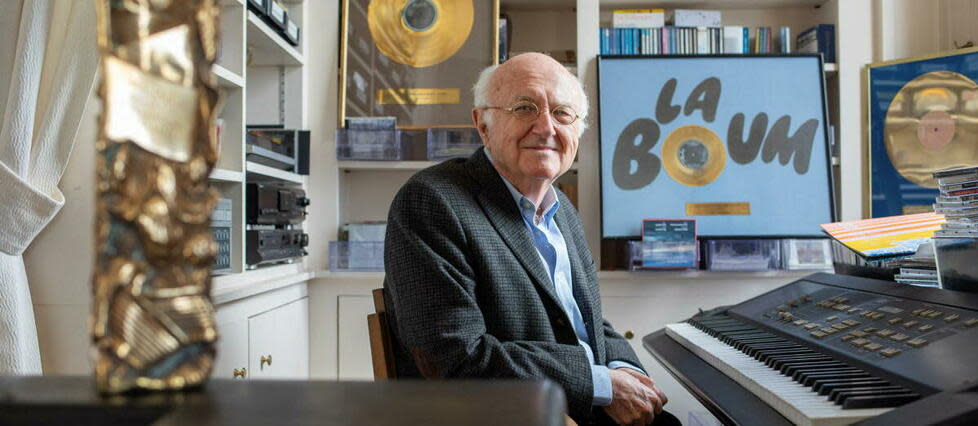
(538, 148)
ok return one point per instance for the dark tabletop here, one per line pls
(73, 400)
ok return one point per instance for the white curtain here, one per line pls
(48, 62)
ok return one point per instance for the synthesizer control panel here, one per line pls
(886, 330)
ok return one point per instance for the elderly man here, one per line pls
(488, 271)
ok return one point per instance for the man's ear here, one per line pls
(480, 126)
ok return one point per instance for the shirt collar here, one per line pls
(527, 209)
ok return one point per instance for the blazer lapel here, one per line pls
(579, 279)
(501, 210)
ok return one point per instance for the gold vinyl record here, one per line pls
(693, 155)
(932, 124)
(420, 33)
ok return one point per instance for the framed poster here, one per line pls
(415, 60)
(923, 117)
(737, 142)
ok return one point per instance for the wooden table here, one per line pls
(73, 400)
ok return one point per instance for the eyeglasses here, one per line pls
(527, 111)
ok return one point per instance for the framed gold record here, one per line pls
(693, 155)
(415, 60)
(923, 118)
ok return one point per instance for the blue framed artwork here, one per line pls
(923, 115)
(737, 142)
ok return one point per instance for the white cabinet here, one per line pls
(354, 339)
(339, 343)
(265, 336)
(278, 342)
(232, 348)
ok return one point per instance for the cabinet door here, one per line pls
(354, 361)
(292, 322)
(280, 335)
(232, 347)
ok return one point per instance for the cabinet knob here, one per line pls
(240, 373)
(265, 360)
(629, 334)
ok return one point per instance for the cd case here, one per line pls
(956, 264)
(743, 255)
(669, 244)
(802, 254)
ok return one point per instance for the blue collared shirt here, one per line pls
(552, 248)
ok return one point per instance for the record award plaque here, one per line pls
(923, 118)
(415, 60)
(737, 143)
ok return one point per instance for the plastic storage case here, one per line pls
(742, 255)
(446, 143)
(352, 144)
(356, 256)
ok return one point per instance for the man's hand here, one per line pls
(647, 381)
(634, 402)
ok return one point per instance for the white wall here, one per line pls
(906, 28)
(322, 65)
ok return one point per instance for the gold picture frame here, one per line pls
(419, 69)
(886, 191)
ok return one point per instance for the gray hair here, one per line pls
(480, 92)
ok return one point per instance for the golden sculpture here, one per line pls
(153, 321)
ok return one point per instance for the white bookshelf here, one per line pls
(222, 175)
(364, 189)
(257, 73)
(269, 48)
(227, 79)
(262, 172)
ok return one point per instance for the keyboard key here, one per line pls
(890, 352)
(879, 401)
(918, 342)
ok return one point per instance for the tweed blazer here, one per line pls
(469, 297)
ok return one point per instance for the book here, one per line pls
(694, 18)
(669, 243)
(818, 39)
(784, 40)
(885, 236)
(733, 39)
(638, 18)
(662, 40)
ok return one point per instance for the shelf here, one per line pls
(227, 78)
(395, 165)
(270, 172)
(224, 175)
(228, 288)
(349, 275)
(620, 275)
(384, 165)
(687, 4)
(268, 47)
(698, 274)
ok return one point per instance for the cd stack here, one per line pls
(958, 202)
(920, 269)
(956, 243)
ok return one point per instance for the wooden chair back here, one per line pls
(381, 343)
